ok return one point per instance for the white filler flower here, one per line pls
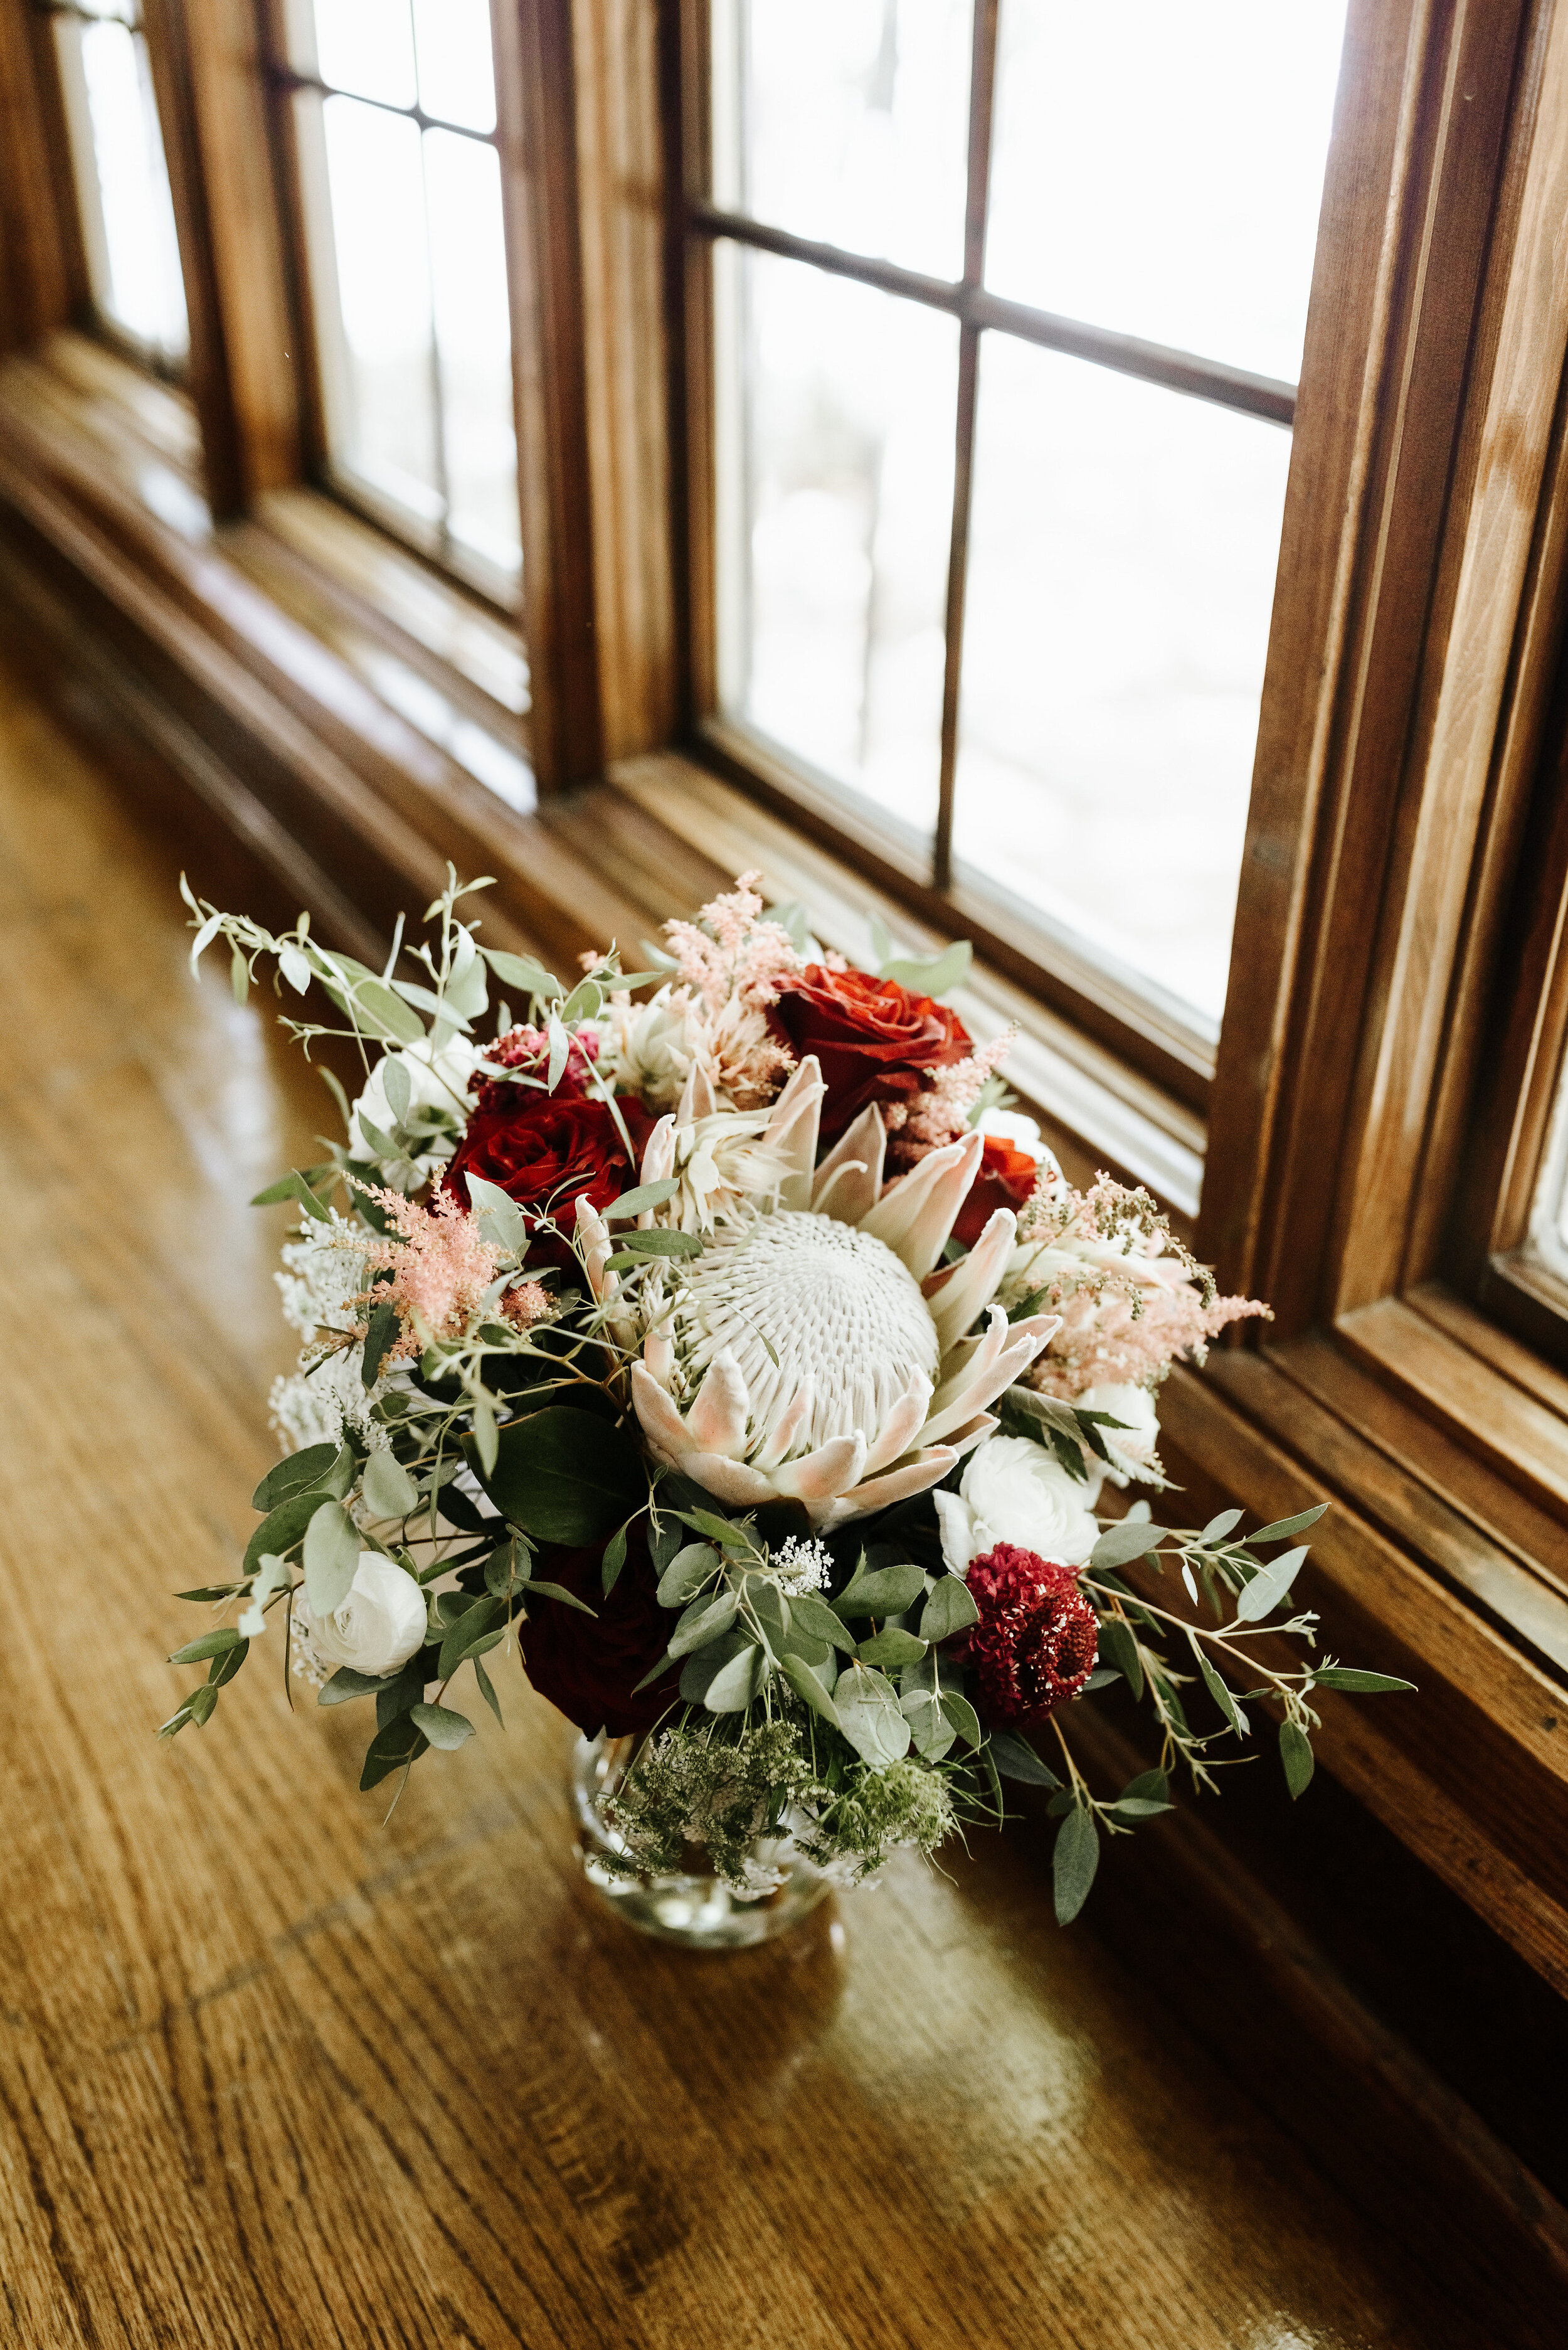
(379, 1627)
(819, 1350)
(1014, 1492)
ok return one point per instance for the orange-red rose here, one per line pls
(876, 1040)
(1006, 1180)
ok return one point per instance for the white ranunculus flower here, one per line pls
(379, 1627)
(1014, 1491)
(436, 1081)
(1132, 1447)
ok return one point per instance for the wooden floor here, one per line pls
(272, 2072)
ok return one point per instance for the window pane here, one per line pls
(457, 78)
(1160, 170)
(370, 274)
(1549, 1218)
(468, 277)
(363, 45)
(846, 121)
(122, 183)
(1122, 556)
(407, 271)
(835, 431)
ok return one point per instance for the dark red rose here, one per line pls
(546, 1151)
(1006, 1180)
(876, 1042)
(589, 1666)
(1035, 1642)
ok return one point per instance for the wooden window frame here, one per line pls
(1405, 782)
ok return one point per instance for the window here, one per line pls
(392, 110)
(121, 179)
(1004, 368)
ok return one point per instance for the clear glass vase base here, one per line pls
(700, 1912)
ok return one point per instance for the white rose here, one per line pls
(436, 1081)
(1014, 1491)
(379, 1624)
(1132, 1447)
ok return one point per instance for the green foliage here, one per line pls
(564, 1476)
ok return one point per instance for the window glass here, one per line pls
(1121, 565)
(1549, 1218)
(408, 277)
(835, 417)
(848, 121)
(1159, 169)
(122, 180)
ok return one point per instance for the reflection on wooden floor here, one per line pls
(273, 2072)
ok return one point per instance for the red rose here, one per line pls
(1035, 1642)
(876, 1040)
(589, 1666)
(546, 1151)
(1006, 1180)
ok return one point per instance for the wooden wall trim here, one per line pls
(43, 268)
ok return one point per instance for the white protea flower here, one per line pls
(818, 1349)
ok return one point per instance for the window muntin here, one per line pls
(1155, 510)
(394, 120)
(122, 177)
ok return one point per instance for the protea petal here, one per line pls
(658, 1159)
(916, 1476)
(964, 1440)
(594, 1240)
(916, 1214)
(848, 1184)
(786, 1431)
(977, 1391)
(821, 1476)
(969, 1360)
(662, 1422)
(733, 1481)
(792, 1130)
(697, 1097)
(716, 1421)
(658, 1354)
(957, 1298)
(901, 1428)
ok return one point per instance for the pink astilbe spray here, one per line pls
(729, 951)
(940, 1114)
(439, 1264)
(1131, 1297)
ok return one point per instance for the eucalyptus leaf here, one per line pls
(886, 1591)
(1217, 1528)
(295, 1475)
(637, 1201)
(949, 1608)
(1352, 1677)
(553, 1591)
(346, 1683)
(816, 1618)
(388, 1487)
(1121, 1543)
(1269, 1586)
(870, 1717)
(331, 1557)
(380, 1332)
(655, 1242)
(530, 977)
(613, 1560)
(1283, 1526)
(399, 1742)
(930, 975)
(468, 1630)
(687, 1571)
(565, 1476)
(1119, 1645)
(210, 1644)
(442, 1726)
(704, 1626)
(1016, 1759)
(395, 1085)
(809, 1689)
(964, 1719)
(1073, 1861)
(1296, 1755)
(1217, 1690)
(735, 1684)
(891, 1649)
(486, 1689)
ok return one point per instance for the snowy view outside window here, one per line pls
(122, 180)
(394, 119)
(1156, 172)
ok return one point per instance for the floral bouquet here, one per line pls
(738, 1357)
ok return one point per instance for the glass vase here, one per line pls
(699, 1910)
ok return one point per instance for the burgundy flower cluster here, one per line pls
(1034, 1645)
